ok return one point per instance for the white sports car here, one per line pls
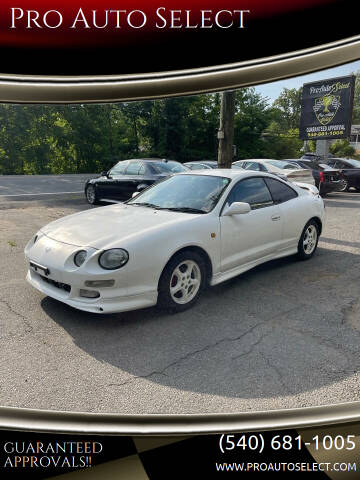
(170, 241)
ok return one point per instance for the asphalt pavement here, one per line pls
(286, 334)
(40, 185)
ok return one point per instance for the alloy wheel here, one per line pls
(185, 282)
(310, 239)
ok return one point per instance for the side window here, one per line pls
(119, 168)
(252, 191)
(133, 168)
(339, 164)
(142, 169)
(279, 191)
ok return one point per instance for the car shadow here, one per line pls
(342, 199)
(346, 204)
(284, 328)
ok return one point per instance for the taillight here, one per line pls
(322, 177)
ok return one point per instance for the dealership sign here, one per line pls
(326, 108)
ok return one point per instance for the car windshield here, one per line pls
(168, 167)
(354, 163)
(186, 193)
(283, 165)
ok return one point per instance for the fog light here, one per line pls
(80, 258)
(99, 283)
(89, 293)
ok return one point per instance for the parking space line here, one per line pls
(37, 194)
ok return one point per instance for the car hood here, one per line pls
(104, 227)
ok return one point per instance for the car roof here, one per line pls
(259, 160)
(227, 172)
(148, 160)
(206, 162)
(295, 160)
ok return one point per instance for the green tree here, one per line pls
(356, 110)
(342, 148)
(287, 108)
(252, 116)
(281, 145)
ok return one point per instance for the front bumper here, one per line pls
(110, 301)
(52, 271)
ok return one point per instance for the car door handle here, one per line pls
(275, 218)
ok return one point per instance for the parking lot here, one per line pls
(285, 334)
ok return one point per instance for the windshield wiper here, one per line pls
(173, 209)
(185, 209)
(145, 204)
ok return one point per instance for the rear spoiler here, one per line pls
(306, 186)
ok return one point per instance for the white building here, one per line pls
(355, 137)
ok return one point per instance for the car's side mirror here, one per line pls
(104, 173)
(236, 208)
(135, 194)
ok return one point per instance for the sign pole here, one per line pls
(322, 149)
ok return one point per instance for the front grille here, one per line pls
(61, 286)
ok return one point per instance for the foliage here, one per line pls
(287, 108)
(40, 139)
(252, 116)
(356, 110)
(342, 148)
(282, 145)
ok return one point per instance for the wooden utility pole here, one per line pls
(226, 129)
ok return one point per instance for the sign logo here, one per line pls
(326, 107)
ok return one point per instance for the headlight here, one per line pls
(80, 258)
(114, 258)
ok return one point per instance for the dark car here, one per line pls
(129, 176)
(327, 179)
(350, 169)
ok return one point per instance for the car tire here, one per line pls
(308, 240)
(91, 195)
(182, 281)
